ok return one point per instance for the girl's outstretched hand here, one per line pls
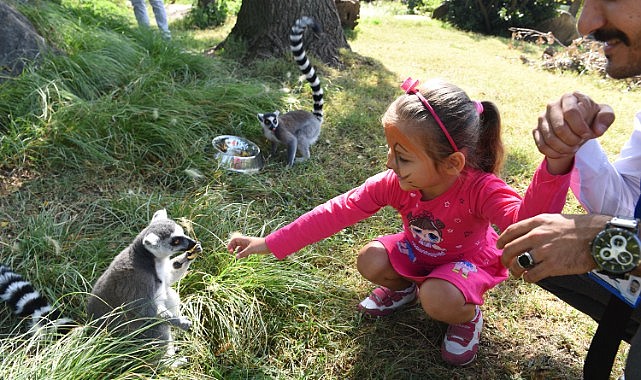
(244, 246)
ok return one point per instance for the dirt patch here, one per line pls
(176, 11)
(11, 180)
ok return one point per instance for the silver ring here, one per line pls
(525, 260)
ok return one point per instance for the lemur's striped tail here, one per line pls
(26, 302)
(305, 66)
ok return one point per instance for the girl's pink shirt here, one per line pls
(463, 215)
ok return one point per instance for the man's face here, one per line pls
(616, 23)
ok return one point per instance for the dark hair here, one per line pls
(477, 135)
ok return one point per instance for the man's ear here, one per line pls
(454, 163)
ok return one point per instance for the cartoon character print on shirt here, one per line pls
(428, 231)
(464, 268)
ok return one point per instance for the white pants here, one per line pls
(140, 11)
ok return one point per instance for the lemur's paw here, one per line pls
(183, 323)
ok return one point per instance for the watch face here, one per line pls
(616, 250)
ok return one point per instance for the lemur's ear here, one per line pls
(160, 214)
(151, 240)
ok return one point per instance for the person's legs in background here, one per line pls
(140, 11)
(161, 17)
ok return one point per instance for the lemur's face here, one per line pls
(269, 120)
(164, 237)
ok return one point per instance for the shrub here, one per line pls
(421, 6)
(494, 17)
(208, 13)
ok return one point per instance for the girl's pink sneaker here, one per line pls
(461, 341)
(383, 301)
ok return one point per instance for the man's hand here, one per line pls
(559, 244)
(569, 122)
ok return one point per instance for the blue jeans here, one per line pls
(140, 11)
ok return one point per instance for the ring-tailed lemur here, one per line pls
(26, 301)
(298, 130)
(136, 287)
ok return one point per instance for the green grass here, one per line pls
(94, 140)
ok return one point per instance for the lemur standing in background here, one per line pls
(298, 130)
(26, 301)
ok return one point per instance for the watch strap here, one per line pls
(614, 275)
(628, 223)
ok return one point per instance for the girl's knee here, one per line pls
(444, 302)
(444, 312)
(372, 260)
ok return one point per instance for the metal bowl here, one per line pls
(237, 154)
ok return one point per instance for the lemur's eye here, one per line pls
(175, 241)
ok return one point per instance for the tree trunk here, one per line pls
(486, 18)
(574, 7)
(265, 26)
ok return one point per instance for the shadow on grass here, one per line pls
(407, 345)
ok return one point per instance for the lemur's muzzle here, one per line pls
(193, 252)
(188, 256)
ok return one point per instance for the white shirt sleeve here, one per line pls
(604, 187)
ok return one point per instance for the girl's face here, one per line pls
(414, 168)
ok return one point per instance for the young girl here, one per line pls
(444, 153)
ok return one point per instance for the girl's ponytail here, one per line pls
(489, 149)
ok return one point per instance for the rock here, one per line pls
(20, 43)
(562, 26)
(440, 12)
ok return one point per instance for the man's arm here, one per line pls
(568, 129)
(604, 187)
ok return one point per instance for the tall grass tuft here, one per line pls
(114, 102)
(84, 353)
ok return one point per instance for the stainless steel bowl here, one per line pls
(237, 154)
